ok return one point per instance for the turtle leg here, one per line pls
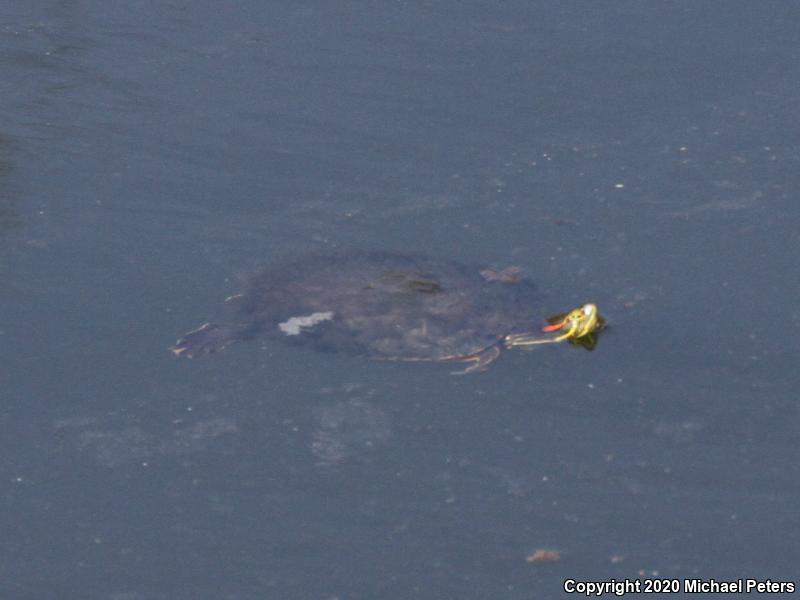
(208, 338)
(508, 275)
(481, 360)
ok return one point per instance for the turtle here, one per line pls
(392, 306)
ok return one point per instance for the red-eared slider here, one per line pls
(393, 307)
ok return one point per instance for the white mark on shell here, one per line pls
(294, 325)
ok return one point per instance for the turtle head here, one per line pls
(576, 326)
(576, 323)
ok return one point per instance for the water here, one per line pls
(642, 157)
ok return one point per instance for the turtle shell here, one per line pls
(384, 305)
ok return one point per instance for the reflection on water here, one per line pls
(348, 428)
(121, 444)
(9, 217)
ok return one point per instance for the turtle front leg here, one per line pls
(480, 360)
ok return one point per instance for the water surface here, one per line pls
(642, 157)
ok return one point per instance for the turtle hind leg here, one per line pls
(209, 338)
(481, 360)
